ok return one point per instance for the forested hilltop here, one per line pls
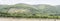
(30, 11)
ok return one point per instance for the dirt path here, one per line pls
(26, 19)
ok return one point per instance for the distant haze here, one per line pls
(32, 2)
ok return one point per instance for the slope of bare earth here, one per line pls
(27, 19)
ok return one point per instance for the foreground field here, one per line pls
(27, 19)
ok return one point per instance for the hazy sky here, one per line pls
(51, 2)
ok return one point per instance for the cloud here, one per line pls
(51, 2)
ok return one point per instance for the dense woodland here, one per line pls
(30, 11)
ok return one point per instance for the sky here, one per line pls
(32, 2)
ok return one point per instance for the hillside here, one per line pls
(25, 10)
